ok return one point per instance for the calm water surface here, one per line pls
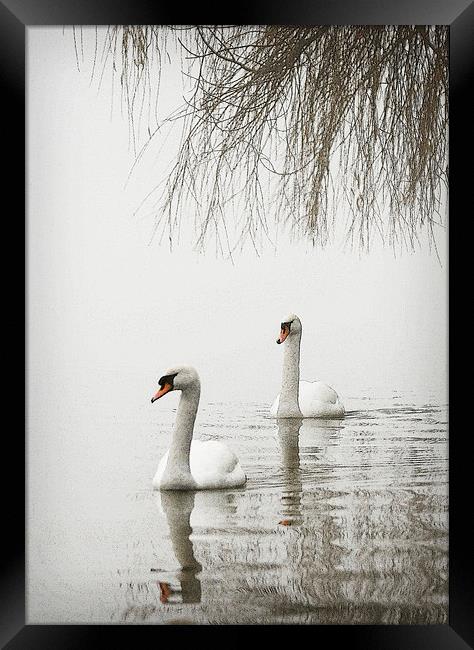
(341, 521)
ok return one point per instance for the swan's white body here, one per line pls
(307, 399)
(193, 464)
(213, 465)
(315, 399)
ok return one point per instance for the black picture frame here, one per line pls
(15, 17)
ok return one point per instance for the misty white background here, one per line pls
(109, 309)
(105, 300)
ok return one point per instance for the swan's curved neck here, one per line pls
(288, 405)
(178, 472)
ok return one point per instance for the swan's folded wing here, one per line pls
(213, 462)
(211, 456)
(274, 406)
(317, 391)
(319, 400)
(159, 472)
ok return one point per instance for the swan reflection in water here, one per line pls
(177, 507)
(288, 435)
(290, 430)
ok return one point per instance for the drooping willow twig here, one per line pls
(297, 125)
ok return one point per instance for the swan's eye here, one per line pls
(286, 326)
(167, 379)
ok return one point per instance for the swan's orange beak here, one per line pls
(165, 389)
(283, 334)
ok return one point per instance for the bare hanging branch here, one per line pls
(297, 125)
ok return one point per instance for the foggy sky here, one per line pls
(104, 296)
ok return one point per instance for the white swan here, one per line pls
(193, 464)
(307, 399)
